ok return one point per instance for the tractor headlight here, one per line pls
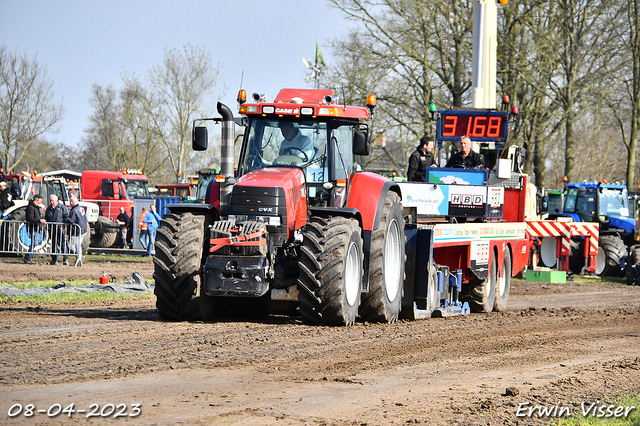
(269, 220)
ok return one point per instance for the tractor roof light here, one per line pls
(242, 96)
(515, 110)
(371, 102)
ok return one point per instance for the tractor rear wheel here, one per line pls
(610, 251)
(179, 246)
(383, 301)
(330, 271)
(103, 239)
(503, 284)
(481, 294)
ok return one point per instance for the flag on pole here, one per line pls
(319, 58)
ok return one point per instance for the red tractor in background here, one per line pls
(290, 226)
(110, 191)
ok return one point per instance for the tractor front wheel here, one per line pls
(610, 251)
(330, 271)
(177, 262)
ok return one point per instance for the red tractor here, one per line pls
(294, 224)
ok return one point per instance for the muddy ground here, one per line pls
(558, 345)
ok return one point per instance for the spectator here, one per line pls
(152, 219)
(6, 200)
(77, 216)
(34, 224)
(56, 214)
(465, 158)
(123, 220)
(16, 192)
(420, 159)
(142, 229)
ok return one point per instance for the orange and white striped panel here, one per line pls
(587, 229)
(549, 228)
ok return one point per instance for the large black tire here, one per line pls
(330, 271)
(383, 301)
(103, 239)
(610, 251)
(481, 294)
(178, 248)
(503, 284)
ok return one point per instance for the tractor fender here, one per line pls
(367, 193)
(336, 211)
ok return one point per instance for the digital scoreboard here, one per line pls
(479, 125)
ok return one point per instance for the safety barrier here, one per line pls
(20, 238)
(554, 242)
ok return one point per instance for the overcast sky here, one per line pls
(87, 41)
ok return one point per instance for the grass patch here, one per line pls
(48, 283)
(120, 258)
(577, 419)
(602, 281)
(73, 297)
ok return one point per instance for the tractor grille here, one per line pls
(240, 239)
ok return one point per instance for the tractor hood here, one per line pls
(622, 222)
(274, 191)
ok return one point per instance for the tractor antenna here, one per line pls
(241, 79)
(344, 98)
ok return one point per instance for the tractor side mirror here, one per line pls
(199, 139)
(361, 145)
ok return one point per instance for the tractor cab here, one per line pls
(598, 202)
(322, 149)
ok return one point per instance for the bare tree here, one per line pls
(99, 144)
(583, 44)
(26, 107)
(177, 94)
(407, 53)
(621, 92)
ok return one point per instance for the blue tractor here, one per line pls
(607, 204)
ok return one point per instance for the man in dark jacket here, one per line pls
(77, 216)
(420, 159)
(57, 213)
(465, 158)
(123, 220)
(6, 200)
(16, 192)
(34, 224)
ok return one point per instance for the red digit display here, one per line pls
(450, 125)
(481, 126)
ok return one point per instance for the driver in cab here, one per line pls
(295, 143)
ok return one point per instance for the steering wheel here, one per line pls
(293, 148)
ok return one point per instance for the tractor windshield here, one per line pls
(282, 143)
(581, 201)
(136, 188)
(613, 202)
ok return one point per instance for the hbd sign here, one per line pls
(470, 201)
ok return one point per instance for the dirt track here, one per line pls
(556, 345)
